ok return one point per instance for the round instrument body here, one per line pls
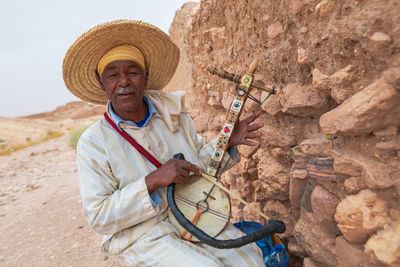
(212, 221)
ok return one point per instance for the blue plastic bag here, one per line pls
(265, 244)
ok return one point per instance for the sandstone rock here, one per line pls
(217, 36)
(354, 185)
(371, 109)
(321, 168)
(340, 83)
(318, 242)
(305, 101)
(381, 38)
(351, 255)
(296, 190)
(294, 248)
(248, 151)
(316, 146)
(305, 202)
(359, 216)
(301, 55)
(227, 99)
(389, 131)
(276, 137)
(373, 173)
(346, 163)
(393, 143)
(323, 204)
(272, 104)
(275, 29)
(378, 175)
(295, 6)
(385, 245)
(309, 262)
(299, 174)
(341, 93)
(320, 80)
(343, 76)
(325, 7)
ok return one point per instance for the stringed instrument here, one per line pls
(201, 209)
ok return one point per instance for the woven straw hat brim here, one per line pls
(80, 62)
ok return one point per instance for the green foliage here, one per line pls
(1, 140)
(75, 134)
(28, 139)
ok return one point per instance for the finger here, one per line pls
(191, 168)
(255, 126)
(253, 135)
(249, 142)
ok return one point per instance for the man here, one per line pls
(125, 64)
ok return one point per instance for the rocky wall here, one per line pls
(328, 161)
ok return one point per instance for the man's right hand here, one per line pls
(173, 171)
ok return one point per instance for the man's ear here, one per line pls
(99, 79)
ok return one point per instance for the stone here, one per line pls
(294, 248)
(316, 146)
(317, 241)
(302, 100)
(299, 174)
(276, 137)
(248, 151)
(217, 36)
(385, 245)
(296, 191)
(374, 174)
(375, 107)
(305, 202)
(275, 29)
(272, 104)
(340, 83)
(351, 255)
(343, 76)
(345, 163)
(393, 143)
(389, 131)
(341, 93)
(227, 99)
(323, 204)
(381, 38)
(353, 185)
(295, 6)
(301, 55)
(320, 80)
(321, 168)
(309, 262)
(325, 7)
(359, 216)
(379, 175)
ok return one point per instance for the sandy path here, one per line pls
(41, 220)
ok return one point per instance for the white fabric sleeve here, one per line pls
(107, 208)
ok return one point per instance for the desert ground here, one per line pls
(41, 218)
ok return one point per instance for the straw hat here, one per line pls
(80, 62)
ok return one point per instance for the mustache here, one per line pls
(125, 90)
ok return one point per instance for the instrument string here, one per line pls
(240, 140)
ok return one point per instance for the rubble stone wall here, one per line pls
(328, 161)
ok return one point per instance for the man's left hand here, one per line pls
(251, 132)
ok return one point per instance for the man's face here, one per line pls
(124, 82)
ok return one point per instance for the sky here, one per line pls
(35, 35)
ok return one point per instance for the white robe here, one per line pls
(114, 194)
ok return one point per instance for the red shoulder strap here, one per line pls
(133, 142)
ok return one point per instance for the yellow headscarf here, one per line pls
(122, 52)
